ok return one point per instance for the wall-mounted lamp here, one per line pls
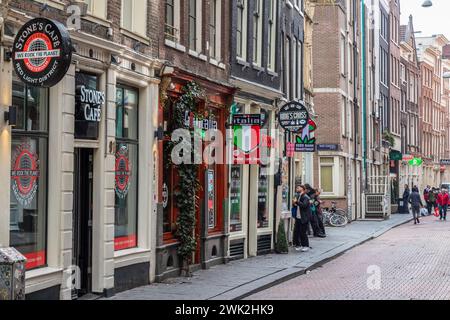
(10, 116)
(7, 55)
(159, 133)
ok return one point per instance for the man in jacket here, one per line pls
(442, 200)
(416, 204)
(302, 202)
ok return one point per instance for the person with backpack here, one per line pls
(416, 204)
(302, 219)
(442, 200)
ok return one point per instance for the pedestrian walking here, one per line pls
(406, 194)
(416, 204)
(302, 202)
(442, 200)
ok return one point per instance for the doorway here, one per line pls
(82, 220)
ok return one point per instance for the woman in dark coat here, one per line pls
(416, 204)
(302, 202)
(406, 194)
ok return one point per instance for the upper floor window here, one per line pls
(134, 16)
(272, 34)
(257, 32)
(97, 8)
(215, 22)
(241, 30)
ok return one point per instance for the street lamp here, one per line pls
(427, 4)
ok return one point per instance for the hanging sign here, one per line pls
(246, 138)
(407, 157)
(306, 142)
(123, 172)
(416, 162)
(293, 117)
(42, 52)
(25, 174)
(395, 155)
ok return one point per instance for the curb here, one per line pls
(312, 267)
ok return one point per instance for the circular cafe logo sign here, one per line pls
(293, 117)
(25, 174)
(42, 52)
(123, 173)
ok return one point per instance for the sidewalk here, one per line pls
(239, 279)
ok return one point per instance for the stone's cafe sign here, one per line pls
(42, 52)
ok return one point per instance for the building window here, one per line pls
(29, 151)
(342, 56)
(215, 22)
(272, 34)
(193, 25)
(170, 32)
(257, 32)
(97, 7)
(241, 29)
(326, 175)
(126, 168)
(134, 16)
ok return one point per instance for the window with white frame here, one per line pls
(327, 175)
(342, 55)
(170, 29)
(273, 4)
(134, 16)
(215, 23)
(257, 31)
(241, 30)
(97, 8)
(195, 25)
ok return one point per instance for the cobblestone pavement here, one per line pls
(411, 263)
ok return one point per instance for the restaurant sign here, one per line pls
(42, 52)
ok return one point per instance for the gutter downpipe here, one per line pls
(364, 92)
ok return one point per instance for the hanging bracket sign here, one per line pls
(293, 117)
(42, 52)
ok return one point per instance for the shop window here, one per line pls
(126, 167)
(28, 200)
(235, 198)
(326, 175)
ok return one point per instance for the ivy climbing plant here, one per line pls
(188, 186)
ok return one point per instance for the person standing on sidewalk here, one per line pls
(319, 214)
(426, 197)
(416, 204)
(406, 194)
(442, 200)
(302, 220)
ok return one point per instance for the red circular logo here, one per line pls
(39, 43)
(25, 174)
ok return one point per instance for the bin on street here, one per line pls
(12, 274)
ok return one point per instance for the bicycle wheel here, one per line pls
(338, 220)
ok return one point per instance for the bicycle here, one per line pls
(334, 217)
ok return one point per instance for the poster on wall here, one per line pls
(306, 142)
(235, 199)
(210, 199)
(42, 52)
(25, 174)
(122, 173)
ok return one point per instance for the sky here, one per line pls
(432, 20)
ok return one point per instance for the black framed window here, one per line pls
(126, 168)
(29, 161)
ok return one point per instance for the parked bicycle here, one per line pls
(335, 217)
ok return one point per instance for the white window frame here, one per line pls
(97, 8)
(333, 175)
(176, 22)
(218, 34)
(244, 30)
(272, 26)
(134, 28)
(198, 29)
(257, 58)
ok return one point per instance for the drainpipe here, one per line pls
(364, 93)
(355, 100)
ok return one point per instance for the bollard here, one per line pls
(12, 274)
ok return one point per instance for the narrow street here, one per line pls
(408, 262)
